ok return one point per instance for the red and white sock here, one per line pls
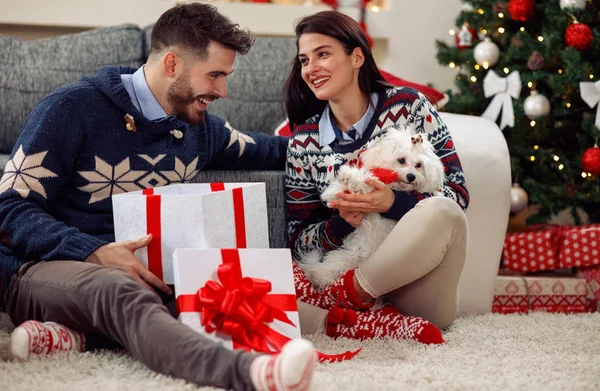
(290, 370)
(33, 338)
(339, 294)
(380, 323)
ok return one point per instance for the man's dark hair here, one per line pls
(193, 26)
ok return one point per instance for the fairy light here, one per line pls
(452, 65)
(483, 31)
(477, 67)
(451, 32)
(532, 158)
(522, 29)
(530, 84)
(485, 65)
(561, 166)
(506, 70)
(541, 39)
(532, 124)
(556, 158)
(375, 8)
(536, 147)
(568, 105)
(560, 71)
(584, 175)
(473, 79)
(591, 76)
(480, 11)
(500, 15)
(501, 30)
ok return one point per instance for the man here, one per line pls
(124, 130)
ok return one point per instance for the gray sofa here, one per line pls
(35, 68)
(31, 69)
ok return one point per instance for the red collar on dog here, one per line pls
(384, 175)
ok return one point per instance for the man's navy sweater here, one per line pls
(75, 152)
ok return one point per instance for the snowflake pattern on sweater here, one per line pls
(310, 168)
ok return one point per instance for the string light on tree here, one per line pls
(518, 198)
(536, 105)
(486, 53)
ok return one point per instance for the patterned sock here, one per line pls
(290, 370)
(383, 322)
(33, 338)
(339, 294)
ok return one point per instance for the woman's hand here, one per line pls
(380, 200)
(353, 218)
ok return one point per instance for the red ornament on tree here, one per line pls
(521, 10)
(579, 36)
(465, 37)
(590, 161)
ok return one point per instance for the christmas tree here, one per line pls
(534, 68)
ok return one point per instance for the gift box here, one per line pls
(244, 298)
(580, 246)
(191, 215)
(591, 275)
(533, 250)
(519, 294)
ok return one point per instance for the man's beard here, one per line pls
(181, 98)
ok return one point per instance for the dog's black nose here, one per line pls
(410, 178)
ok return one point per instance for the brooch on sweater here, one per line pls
(130, 123)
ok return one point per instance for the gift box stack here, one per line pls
(211, 241)
(550, 268)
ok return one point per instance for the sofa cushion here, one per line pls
(33, 69)
(255, 101)
(3, 160)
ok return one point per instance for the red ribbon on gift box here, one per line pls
(241, 307)
(557, 235)
(153, 225)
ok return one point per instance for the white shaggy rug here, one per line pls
(490, 352)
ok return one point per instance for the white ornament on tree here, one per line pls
(502, 89)
(486, 53)
(518, 198)
(578, 4)
(536, 105)
(590, 93)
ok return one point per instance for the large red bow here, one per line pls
(242, 307)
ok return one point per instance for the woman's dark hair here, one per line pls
(193, 26)
(300, 102)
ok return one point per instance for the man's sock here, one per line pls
(290, 370)
(33, 338)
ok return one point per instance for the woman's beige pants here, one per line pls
(417, 267)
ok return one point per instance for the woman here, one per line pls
(337, 100)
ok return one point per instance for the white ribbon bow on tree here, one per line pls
(502, 89)
(590, 93)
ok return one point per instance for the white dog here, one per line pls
(402, 159)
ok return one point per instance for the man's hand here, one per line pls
(353, 218)
(380, 200)
(120, 255)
